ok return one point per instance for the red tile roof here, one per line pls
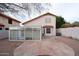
(1, 14)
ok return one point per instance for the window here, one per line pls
(48, 30)
(6, 28)
(0, 28)
(48, 20)
(22, 33)
(10, 21)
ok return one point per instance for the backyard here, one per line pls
(7, 47)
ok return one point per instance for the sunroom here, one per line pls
(25, 33)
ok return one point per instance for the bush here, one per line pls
(66, 25)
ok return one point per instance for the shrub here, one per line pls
(66, 25)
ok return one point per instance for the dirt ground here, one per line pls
(7, 47)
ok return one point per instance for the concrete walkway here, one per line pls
(55, 46)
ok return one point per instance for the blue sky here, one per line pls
(70, 11)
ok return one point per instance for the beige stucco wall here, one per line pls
(41, 22)
(4, 21)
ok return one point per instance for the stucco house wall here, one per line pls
(41, 21)
(4, 21)
(4, 25)
(36, 28)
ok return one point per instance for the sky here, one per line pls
(70, 11)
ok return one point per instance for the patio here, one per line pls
(44, 48)
(7, 47)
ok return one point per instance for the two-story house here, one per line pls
(36, 28)
(7, 21)
(46, 21)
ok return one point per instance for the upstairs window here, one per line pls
(9, 21)
(48, 20)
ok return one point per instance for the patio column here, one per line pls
(24, 33)
(32, 33)
(40, 33)
(9, 34)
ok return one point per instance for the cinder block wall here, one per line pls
(70, 32)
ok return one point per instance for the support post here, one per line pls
(32, 33)
(40, 33)
(24, 33)
(9, 34)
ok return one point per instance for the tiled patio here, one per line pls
(8, 47)
(42, 48)
(74, 44)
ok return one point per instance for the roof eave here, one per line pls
(9, 17)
